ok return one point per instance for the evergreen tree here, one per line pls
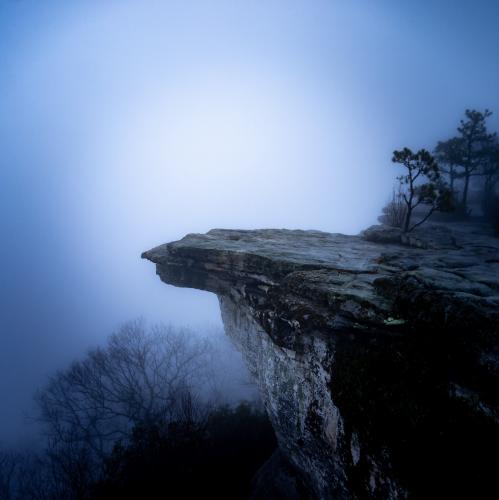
(434, 193)
(468, 154)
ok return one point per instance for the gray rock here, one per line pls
(376, 355)
(276, 480)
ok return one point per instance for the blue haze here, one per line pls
(125, 124)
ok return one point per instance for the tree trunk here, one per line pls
(465, 189)
(407, 223)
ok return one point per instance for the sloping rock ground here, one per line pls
(376, 355)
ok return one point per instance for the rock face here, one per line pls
(376, 355)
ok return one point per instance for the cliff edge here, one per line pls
(376, 355)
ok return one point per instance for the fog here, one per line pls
(126, 124)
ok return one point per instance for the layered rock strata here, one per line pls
(376, 355)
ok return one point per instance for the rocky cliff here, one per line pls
(376, 355)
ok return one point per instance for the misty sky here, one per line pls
(126, 124)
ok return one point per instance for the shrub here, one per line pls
(394, 212)
(214, 459)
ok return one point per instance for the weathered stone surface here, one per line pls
(377, 362)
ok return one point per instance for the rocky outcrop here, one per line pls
(376, 355)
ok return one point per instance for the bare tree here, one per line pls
(395, 211)
(140, 377)
(9, 465)
(24, 475)
(160, 379)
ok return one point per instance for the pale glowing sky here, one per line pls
(125, 124)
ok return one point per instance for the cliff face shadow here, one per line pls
(376, 355)
(397, 398)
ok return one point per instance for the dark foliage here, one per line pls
(421, 184)
(472, 154)
(399, 400)
(448, 155)
(216, 459)
(490, 175)
(491, 210)
(475, 143)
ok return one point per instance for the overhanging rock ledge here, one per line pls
(376, 355)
